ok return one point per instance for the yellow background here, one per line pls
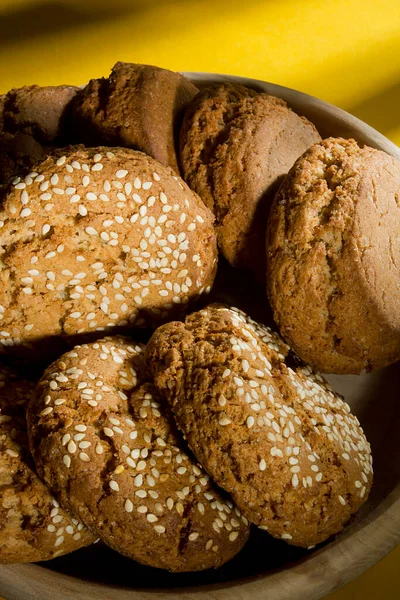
(343, 51)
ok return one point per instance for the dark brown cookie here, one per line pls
(235, 147)
(334, 259)
(106, 443)
(95, 239)
(138, 106)
(18, 153)
(32, 525)
(275, 436)
(32, 119)
(38, 112)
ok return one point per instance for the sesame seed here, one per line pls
(138, 480)
(91, 231)
(128, 506)
(151, 518)
(71, 447)
(114, 485)
(224, 421)
(67, 460)
(222, 400)
(159, 529)
(262, 465)
(342, 500)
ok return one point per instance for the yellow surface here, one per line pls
(343, 51)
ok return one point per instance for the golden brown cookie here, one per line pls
(138, 106)
(32, 525)
(106, 443)
(205, 120)
(271, 433)
(95, 239)
(235, 147)
(334, 257)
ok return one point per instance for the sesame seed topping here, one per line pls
(128, 506)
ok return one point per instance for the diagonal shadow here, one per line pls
(29, 22)
(381, 111)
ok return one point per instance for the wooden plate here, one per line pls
(265, 567)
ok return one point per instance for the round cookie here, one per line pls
(333, 257)
(235, 147)
(37, 111)
(138, 106)
(106, 443)
(95, 239)
(32, 525)
(272, 434)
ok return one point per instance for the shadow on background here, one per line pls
(33, 20)
(36, 18)
(381, 111)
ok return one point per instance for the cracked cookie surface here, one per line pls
(106, 443)
(236, 144)
(333, 258)
(272, 434)
(32, 525)
(98, 238)
(137, 106)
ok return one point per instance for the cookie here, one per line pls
(18, 153)
(37, 111)
(32, 525)
(206, 118)
(235, 147)
(267, 430)
(95, 239)
(107, 445)
(333, 259)
(32, 118)
(138, 106)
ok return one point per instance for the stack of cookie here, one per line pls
(115, 200)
